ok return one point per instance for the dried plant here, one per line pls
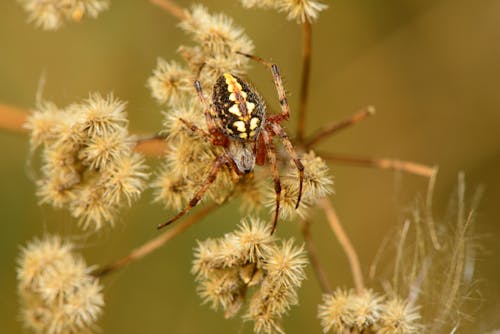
(57, 291)
(92, 166)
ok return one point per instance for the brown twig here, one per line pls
(152, 145)
(171, 8)
(313, 256)
(304, 85)
(346, 244)
(155, 243)
(337, 126)
(12, 118)
(383, 163)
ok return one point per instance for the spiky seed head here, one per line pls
(52, 14)
(58, 294)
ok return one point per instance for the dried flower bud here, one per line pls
(346, 310)
(316, 185)
(298, 10)
(170, 82)
(219, 40)
(51, 14)
(398, 317)
(58, 294)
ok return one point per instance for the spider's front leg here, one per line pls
(218, 162)
(278, 82)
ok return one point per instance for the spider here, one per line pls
(237, 121)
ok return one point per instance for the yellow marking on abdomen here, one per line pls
(240, 126)
(235, 110)
(232, 83)
(254, 123)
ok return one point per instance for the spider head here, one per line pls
(243, 155)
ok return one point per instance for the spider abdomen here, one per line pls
(238, 109)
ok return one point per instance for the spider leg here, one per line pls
(271, 152)
(208, 117)
(216, 165)
(277, 129)
(193, 127)
(278, 82)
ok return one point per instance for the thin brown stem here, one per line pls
(313, 256)
(304, 86)
(12, 118)
(337, 126)
(171, 8)
(152, 145)
(155, 243)
(346, 244)
(382, 163)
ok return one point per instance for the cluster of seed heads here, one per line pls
(58, 294)
(52, 14)
(367, 312)
(247, 261)
(87, 157)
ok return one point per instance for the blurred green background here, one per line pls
(431, 68)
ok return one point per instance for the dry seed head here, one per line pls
(101, 116)
(100, 151)
(347, 310)
(58, 294)
(285, 264)
(219, 40)
(268, 304)
(42, 124)
(90, 208)
(125, 179)
(190, 111)
(254, 239)
(365, 310)
(223, 289)
(52, 14)
(298, 10)
(170, 82)
(56, 190)
(317, 184)
(172, 190)
(399, 317)
(334, 312)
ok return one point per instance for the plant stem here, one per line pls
(304, 86)
(171, 8)
(346, 244)
(337, 126)
(12, 118)
(155, 243)
(313, 256)
(382, 163)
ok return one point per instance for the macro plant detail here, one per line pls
(53, 14)
(88, 162)
(217, 147)
(57, 290)
(250, 258)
